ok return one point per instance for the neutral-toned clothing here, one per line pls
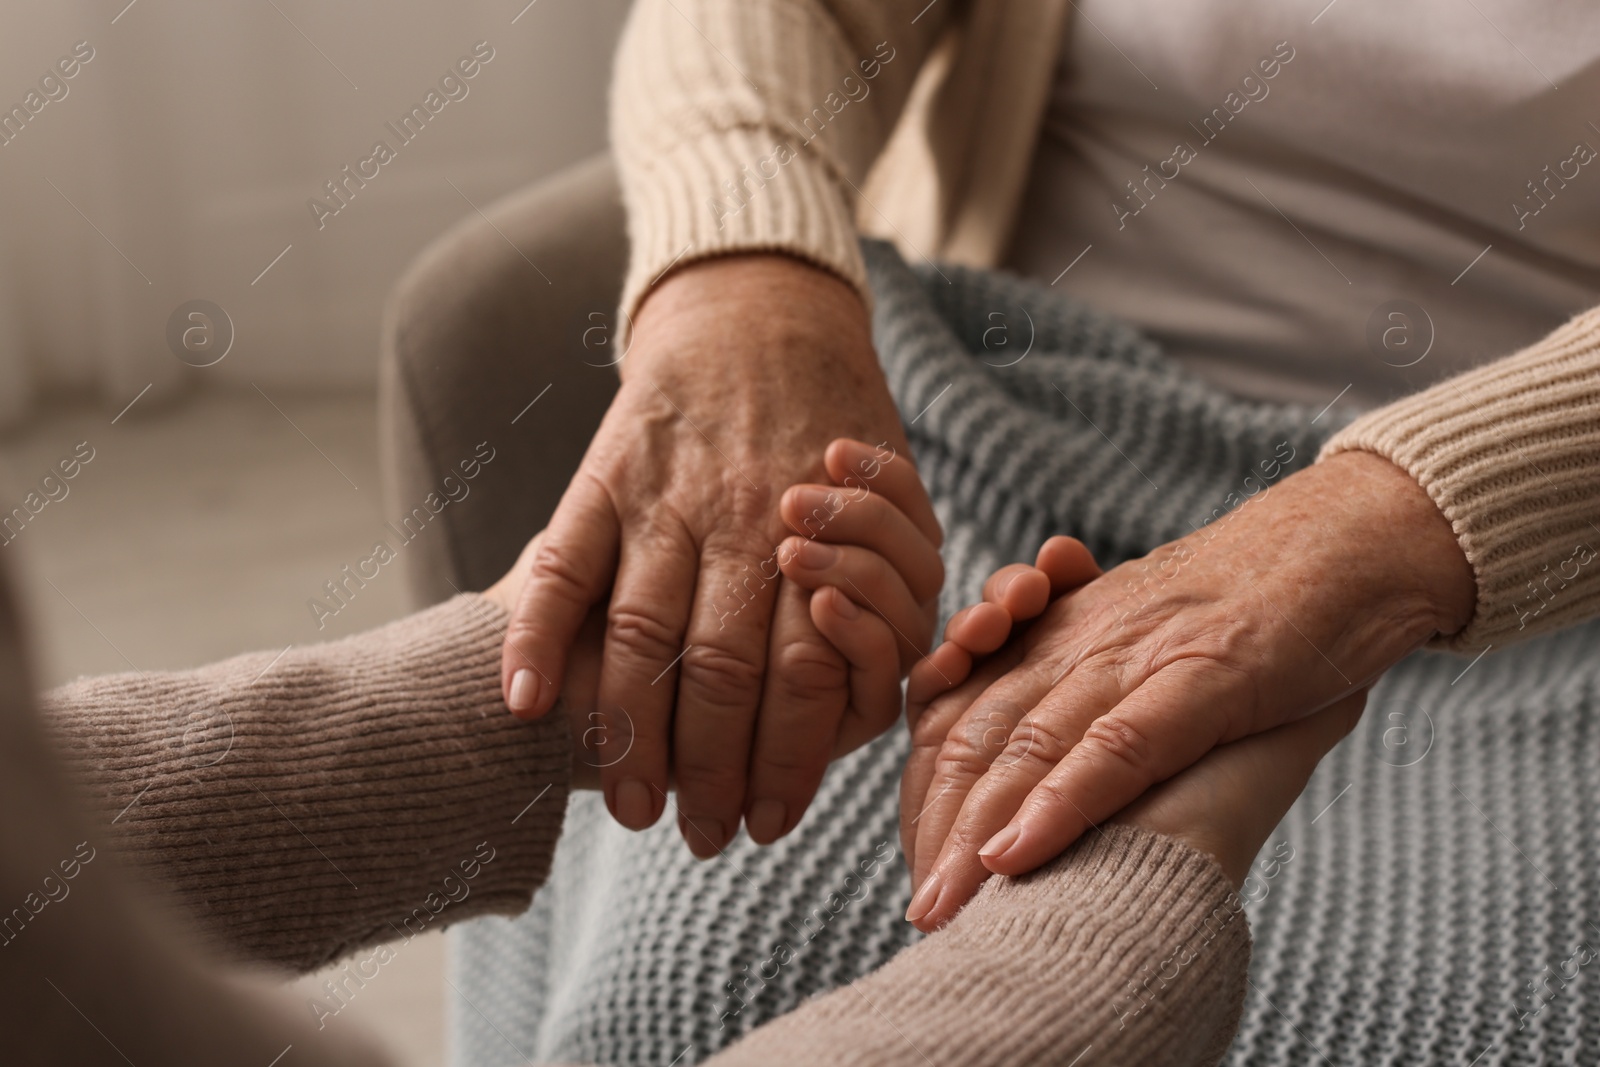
(745, 125)
(468, 343)
(1397, 143)
(340, 799)
(1438, 861)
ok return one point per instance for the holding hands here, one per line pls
(715, 673)
(1296, 604)
(751, 616)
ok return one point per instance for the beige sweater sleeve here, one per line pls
(349, 793)
(1511, 454)
(747, 125)
(1130, 945)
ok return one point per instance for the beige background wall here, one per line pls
(177, 166)
(180, 161)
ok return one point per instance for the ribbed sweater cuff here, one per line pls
(339, 795)
(1131, 942)
(726, 192)
(1510, 453)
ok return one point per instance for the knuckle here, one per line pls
(743, 506)
(704, 782)
(641, 634)
(932, 728)
(523, 632)
(786, 763)
(807, 669)
(1115, 738)
(720, 676)
(960, 760)
(1037, 742)
(555, 566)
(927, 734)
(780, 764)
(1052, 796)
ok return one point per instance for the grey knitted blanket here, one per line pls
(1440, 899)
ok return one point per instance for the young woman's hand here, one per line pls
(1228, 804)
(872, 569)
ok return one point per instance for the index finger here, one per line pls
(932, 791)
(571, 571)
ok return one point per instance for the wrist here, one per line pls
(1422, 558)
(749, 304)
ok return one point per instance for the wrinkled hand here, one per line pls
(1302, 597)
(581, 683)
(741, 370)
(867, 543)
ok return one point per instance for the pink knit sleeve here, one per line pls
(342, 795)
(1131, 945)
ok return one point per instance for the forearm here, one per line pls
(341, 795)
(1131, 943)
(1510, 453)
(741, 125)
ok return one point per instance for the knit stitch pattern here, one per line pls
(1432, 897)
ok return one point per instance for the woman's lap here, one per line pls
(1440, 860)
(1443, 857)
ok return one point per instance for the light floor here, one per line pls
(200, 530)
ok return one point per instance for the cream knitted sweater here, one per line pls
(795, 125)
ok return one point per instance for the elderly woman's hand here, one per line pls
(741, 371)
(1301, 598)
(866, 639)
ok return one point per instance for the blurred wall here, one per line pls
(180, 159)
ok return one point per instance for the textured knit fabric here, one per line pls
(1443, 857)
(744, 125)
(1511, 454)
(417, 801)
(298, 806)
(1117, 950)
(306, 805)
(736, 129)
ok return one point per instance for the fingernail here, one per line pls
(704, 836)
(925, 898)
(524, 691)
(765, 821)
(633, 808)
(816, 557)
(845, 607)
(1000, 842)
